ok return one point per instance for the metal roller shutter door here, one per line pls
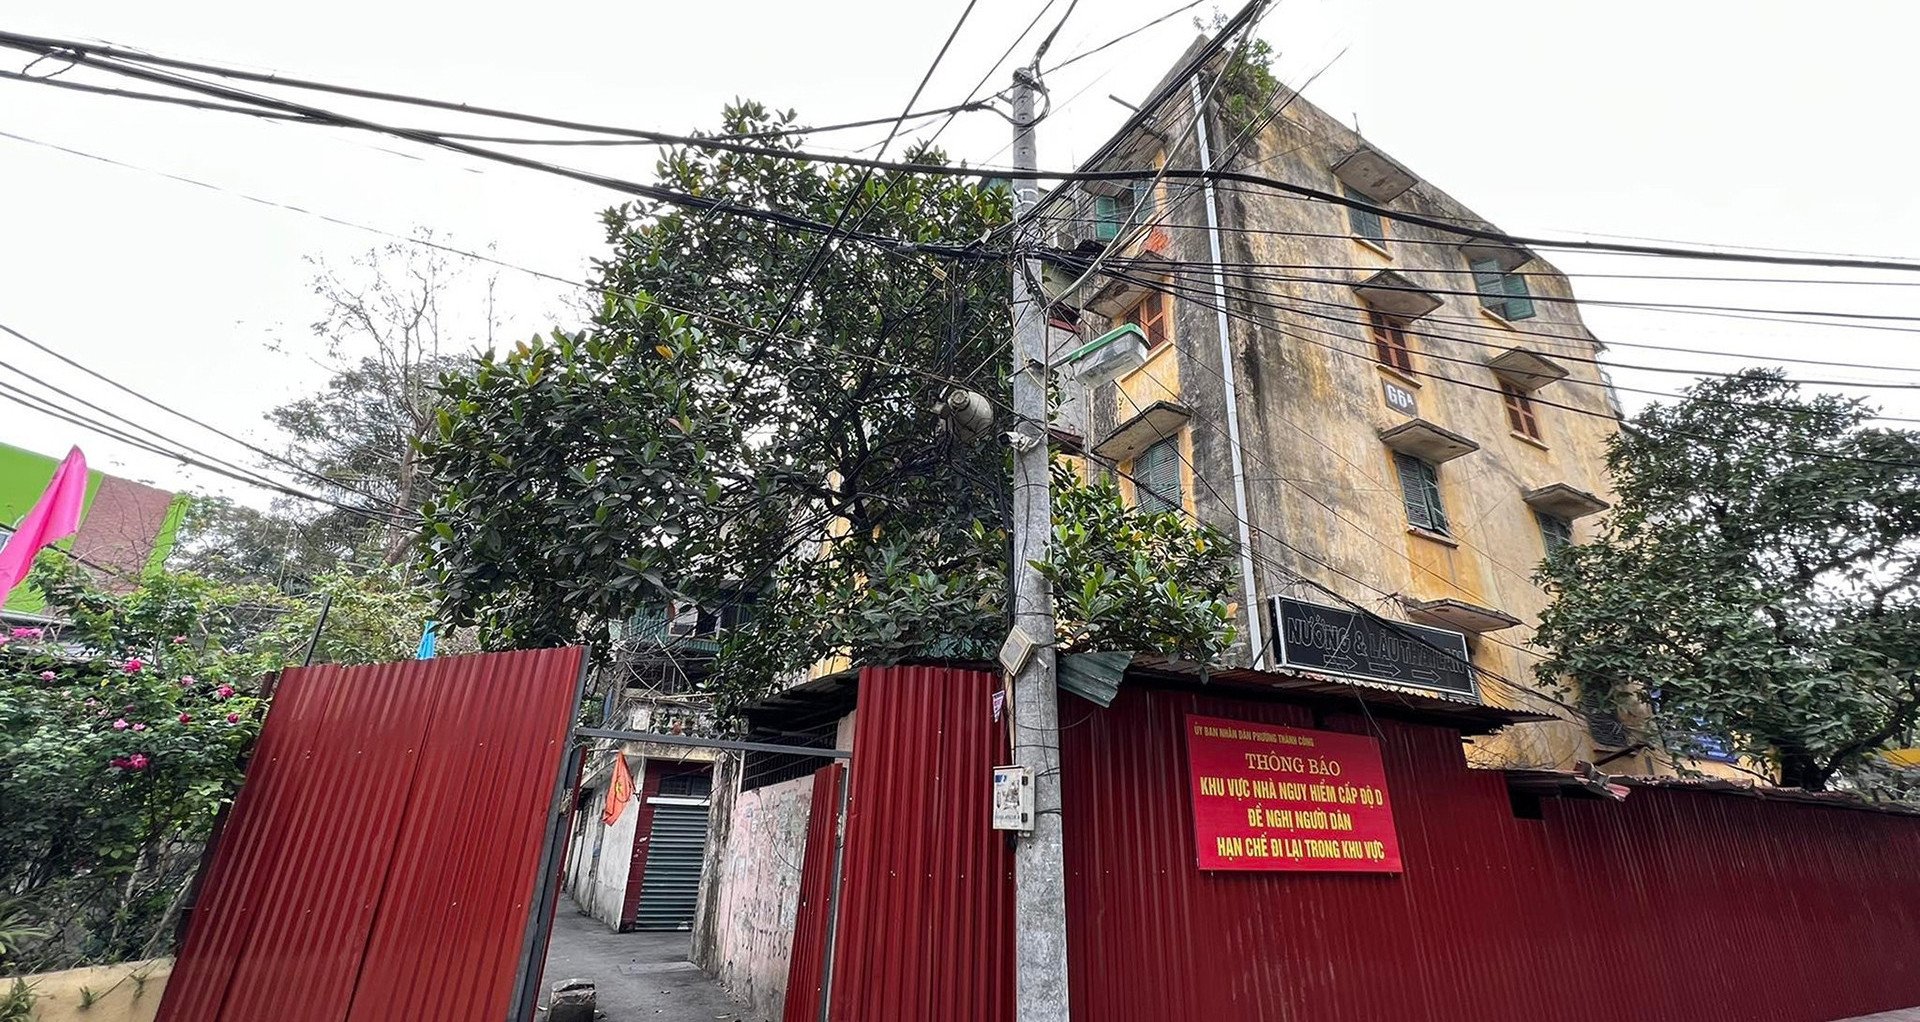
(672, 882)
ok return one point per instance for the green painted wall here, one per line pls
(169, 534)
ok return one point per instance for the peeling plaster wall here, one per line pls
(743, 932)
(1323, 497)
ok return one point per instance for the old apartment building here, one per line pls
(1393, 417)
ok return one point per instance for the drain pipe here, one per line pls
(1249, 590)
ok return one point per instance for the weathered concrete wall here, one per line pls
(600, 856)
(1323, 497)
(127, 992)
(743, 932)
(1317, 409)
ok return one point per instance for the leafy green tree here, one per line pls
(1757, 586)
(588, 474)
(123, 731)
(748, 412)
(278, 545)
(1124, 579)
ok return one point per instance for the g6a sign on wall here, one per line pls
(1267, 797)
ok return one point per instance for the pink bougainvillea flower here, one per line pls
(139, 727)
(138, 761)
(179, 640)
(186, 718)
(4, 639)
(118, 762)
(27, 633)
(224, 692)
(93, 702)
(121, 724)
(186, 681)
(134, 665)
(233, 718)
(48, 675)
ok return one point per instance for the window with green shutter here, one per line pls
(1114, 214)
(1156, 477)
(1107, 217)
(1364, 222)
(1555, 532)
(1504, 293)
(1420, 491)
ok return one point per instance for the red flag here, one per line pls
(619, 791)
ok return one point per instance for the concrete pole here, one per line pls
(1039, 871)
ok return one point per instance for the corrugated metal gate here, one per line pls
(387, 854)
(925, 913)
(676, 846)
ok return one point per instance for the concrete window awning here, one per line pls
(1526, 370)
(1138, 274)
(1459, 615)
(1510, 256)
(1396, 296)
(1155, 423)
(1426, 441)
(1563, 501)
(1374, 174)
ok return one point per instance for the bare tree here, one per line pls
(387, 336)
(391, 320)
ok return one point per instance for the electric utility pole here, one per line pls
(1039, 870)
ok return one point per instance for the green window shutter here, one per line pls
(1413, 489)
(1490, 281)
(1555, 532)
(1519, 299)
(1363, 222)
(1156, 477)
(1106, 217)
(1436, 512)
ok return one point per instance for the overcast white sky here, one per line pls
(1730, 122)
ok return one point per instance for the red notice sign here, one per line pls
(1285, 798)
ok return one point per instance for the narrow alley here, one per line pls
(637, 975)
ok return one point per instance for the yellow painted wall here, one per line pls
(1157, 379)
(128, 992)
(1323, 494)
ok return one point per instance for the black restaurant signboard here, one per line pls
(1335, 640)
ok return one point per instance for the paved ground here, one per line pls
(639, 977)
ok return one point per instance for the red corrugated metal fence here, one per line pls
(807, 968)
(1673, 905)
(381, 859)
(927, 900)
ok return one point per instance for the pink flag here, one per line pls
(55, 517)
